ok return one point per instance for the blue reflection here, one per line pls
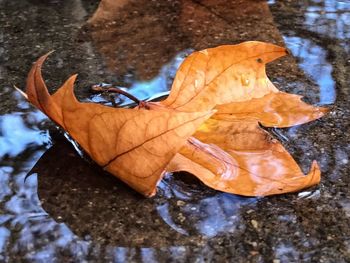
(148, 255)
(218, 214)
(4, 235)
(154, 88)
(313, 61)
(163, 211)
(120, 254)
(161, 83)
(17, 132)
(5, 172)
(209, 216)
(330, 18)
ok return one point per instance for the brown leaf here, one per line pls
(221, 75)
(230, 152)
(239, 157)
(39, 96)
(133, 144)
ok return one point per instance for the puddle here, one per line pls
(70, 210)
(329, 18)
(47, 209)
(145, 90)
(312, 59)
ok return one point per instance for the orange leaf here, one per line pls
(221, 75)
(273, 110)
(133, 144)
(230, 152)
(239, 157)
(39, 96)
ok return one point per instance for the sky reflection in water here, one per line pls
(314, 63)
(330, 18)
(16, 136)
(149, 90)
(22, 142)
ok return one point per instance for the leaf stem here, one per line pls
(98, 88)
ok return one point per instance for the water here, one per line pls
(42, 229)
(314, 63)
(147, 90)
(70, 210)
(326, 22)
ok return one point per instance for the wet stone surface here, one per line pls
(68, 210)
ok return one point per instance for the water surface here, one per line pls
(70, 210)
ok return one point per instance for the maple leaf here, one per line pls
(241, 158)
(221, 75)
(133, 144)
(229, 152)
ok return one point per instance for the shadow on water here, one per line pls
(80, 208)
(70, 210)
(96, 205)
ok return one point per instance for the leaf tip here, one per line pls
(21, 92)
(41, 60)
(151, 194)
(323, 110)
(73, 77)
(288, 52)
(315, 174)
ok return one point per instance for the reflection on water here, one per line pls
(22, 143)
(330, 18)
(49, 212)
(219, 214)
(15, 141)
(319, 35)
(161, 83)
(35, 209)
(209, 216)
(70, 210)
(19, 130)
(148, 90)
(177, 210)
(184, 213)
(313, 61)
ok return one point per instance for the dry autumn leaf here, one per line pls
(221, 75)
(229, 152)
(241, 158)
(133, 144)
(276, 109)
